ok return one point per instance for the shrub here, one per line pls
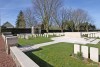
(79, 55)
(89, 60)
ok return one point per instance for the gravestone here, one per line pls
(22, 36)
(47, 35)
(84, 50)
(76, 48)
(26, 37)
(43, 35)
(35, 35)
(94, 54)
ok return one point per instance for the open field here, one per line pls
(57, 55)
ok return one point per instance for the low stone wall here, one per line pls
(57, 34)
(10, 41)
(3, 37)
(73, 34)
(76, 34)
(67, 34)
(21, 59)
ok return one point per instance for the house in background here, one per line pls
(7, 25)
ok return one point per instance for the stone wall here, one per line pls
(21, 59)
(9, 40)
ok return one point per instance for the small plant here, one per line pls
(89, 60)
(79, 55)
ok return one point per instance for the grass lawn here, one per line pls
(57, 55)
(94, 45)
(32, 41)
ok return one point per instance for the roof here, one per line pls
(7, 25)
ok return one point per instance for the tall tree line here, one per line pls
(50, 13)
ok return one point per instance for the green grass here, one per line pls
(32, 41)
(57, 55)
(94, 45)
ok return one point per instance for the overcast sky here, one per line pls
(9, 9)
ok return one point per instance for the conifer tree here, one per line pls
(20, 23)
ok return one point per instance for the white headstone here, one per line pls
(47, 35)
(43, 35)
(76, 48)
(84, 50)
(22, 36)
(94, 54)
(88, 35)
(26, 37)
(34, 35)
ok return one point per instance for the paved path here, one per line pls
(61, 39)
(5, 60)
(37, 46)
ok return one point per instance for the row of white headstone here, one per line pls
(93, 35)
(56, 34)
(94, 52)
(35, 35)
(40, 35)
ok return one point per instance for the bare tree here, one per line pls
(60, 19)
(69, 18)
(44, 10)
(29, 18)
(74, 18)
(80, 16)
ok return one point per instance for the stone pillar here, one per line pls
(39, 30)
(32, 30)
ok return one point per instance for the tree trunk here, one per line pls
(72, 30)
(47, 30)
(78, 29)
(61, 30)
(87, 29)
